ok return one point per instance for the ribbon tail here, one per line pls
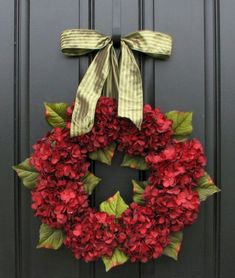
(89, 91)
(130, 99)
(112, 83)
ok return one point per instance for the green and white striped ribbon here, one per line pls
(123, 82)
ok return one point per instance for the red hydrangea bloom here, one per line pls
(155, 133)
(56, 154)
(142, 235)
(56, 201)
(106, 128)
(130, 139)
(156, 128)
(180, 163)
(59, 192)
(92, 236)
(176, 207)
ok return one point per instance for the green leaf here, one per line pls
(26, 173)
(117, 258)
(114, 205)
(56, 114)
(50, 238)
(89, 182)
(206, 187)
(135, 162)
(182, 123)
(104, 155)
(172, 249)
(138, 190)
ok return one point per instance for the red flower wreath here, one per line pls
(58, 175)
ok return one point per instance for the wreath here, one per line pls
(60, 181)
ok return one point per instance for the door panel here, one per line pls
(46, 65)
(197, 77)
(226, 138)
(9, 190)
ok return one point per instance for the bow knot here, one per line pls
(122, 82)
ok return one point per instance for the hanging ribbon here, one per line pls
(123, 82)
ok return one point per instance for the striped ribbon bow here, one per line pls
(122, 82)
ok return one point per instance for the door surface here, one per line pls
(198, 77)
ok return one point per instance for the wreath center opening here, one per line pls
(115, 178)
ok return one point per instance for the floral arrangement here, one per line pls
(57, 173)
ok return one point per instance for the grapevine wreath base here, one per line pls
(58, 175)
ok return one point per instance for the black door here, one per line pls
(199, 77)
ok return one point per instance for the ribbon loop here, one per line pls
(103, 73)
(155, 44)
(78, 42)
